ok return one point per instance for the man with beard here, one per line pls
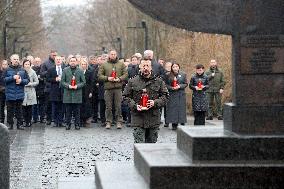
(113, 73)
(73, 81)
(146, 119)
(215, 91)
(15, 79)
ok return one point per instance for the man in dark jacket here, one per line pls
(15, 79)
(133, 68)
(146, 120)
(54, 77)
(215, 91)
(49, 63)
(157, 68)
(38, 109)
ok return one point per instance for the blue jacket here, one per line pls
(13, 91)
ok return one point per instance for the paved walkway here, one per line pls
(43, 155)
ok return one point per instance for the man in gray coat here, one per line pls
(146, 120)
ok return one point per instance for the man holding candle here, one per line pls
(113, 73)
(199, 84)
(145, 118)
(73, 81)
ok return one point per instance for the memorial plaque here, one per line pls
(262, 54)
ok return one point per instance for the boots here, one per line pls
(20, 127)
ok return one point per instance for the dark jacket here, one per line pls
(157, 91)
(56, 93)
(2, 83)
(46, 65)
(217, 81)
(157, 68)
(41, 85)
(95, 71)
(133, 70)
(176, 106)
(199, 100)
(71, 95)
(13, 91)
(86, 107)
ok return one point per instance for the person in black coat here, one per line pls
(199, 84)
(95, 101)
(38, 109)
(55, 97)
(86, 108)
(4, 66)
(49, 63)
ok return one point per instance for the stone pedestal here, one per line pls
(4, 157)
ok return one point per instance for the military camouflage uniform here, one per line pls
(145, 123)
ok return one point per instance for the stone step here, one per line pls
(216, 144)
(118, 175)
(87, 182)
(165, 166)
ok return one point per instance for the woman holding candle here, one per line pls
(199, 84)
(176, 83)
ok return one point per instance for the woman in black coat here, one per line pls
(4, 66)
(86, 107)
(176, 106)
(199, 84)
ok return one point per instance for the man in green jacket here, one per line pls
(72, 80)
(113, 73)
(216, 89)
(145, 120)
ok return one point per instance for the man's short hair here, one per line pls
(198, 66)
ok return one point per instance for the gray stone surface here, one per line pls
(163, 166)
(254, 120)
(211, 144)
(119, 176)
(87, 182)
(4, 157)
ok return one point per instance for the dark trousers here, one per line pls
(95, 106)
(72, 109)
(38, 109)
(57, 112)
(27, 114)
(14, 107)
(199, 118)
(102, 105)
(48, 109)
(2, 107)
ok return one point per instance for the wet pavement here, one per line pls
(43, 155)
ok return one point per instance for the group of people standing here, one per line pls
(108, 89)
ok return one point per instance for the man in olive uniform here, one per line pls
(146, 120)
(216, 89)
(113, 73)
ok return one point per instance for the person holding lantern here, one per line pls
(113, 73)
(73, 81)
(145, 95)
(199, 84)
(176, 83)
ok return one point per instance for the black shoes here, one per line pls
(220, 118)
(68, 127)
(166, 125)
(209, 118)
(48, 122)
(20, 127)
(77, 127)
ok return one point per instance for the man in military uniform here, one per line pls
(216, 89)
(145, 120)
